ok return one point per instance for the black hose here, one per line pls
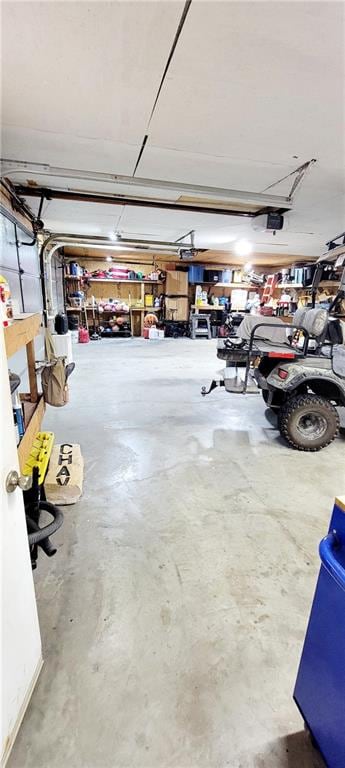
(45, 544)
(42, 533)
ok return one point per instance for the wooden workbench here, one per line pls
(21, 334)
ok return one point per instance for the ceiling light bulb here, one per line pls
(108, 258)
(243, 247)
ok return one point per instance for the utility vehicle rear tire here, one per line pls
(308, 422)
(277, 400)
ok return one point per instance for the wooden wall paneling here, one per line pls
(125, 291)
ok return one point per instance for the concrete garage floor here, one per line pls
(174, 612)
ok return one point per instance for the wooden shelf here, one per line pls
(146, 309)
(22, 331)
(110, 311)
(95, 309)
(245, 286)
(33, 413)
(75, 278)
(323, 284)
(18, 335)
(111, 280)
(289, 285)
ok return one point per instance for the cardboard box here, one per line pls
(176, 283)
(153, 333)
(176, 309)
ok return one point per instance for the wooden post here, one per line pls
(142, 294)
(30, 355)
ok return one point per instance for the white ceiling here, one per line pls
(253, 90)
(80, 79)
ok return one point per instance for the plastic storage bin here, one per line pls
(213, 275)
(227, 276)
(320, 685)
(195, 273)
(63, 346)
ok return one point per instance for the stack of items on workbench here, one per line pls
(290, 288)
(214, 292)
(189, 290)
(152, 327)
(122, 273)
(110, 314)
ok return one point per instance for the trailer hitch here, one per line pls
(214, 384)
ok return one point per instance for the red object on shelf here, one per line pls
(118, 273)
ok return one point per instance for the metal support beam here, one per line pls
(91, 197)
(299, 174)
(262, 199)
(188, 234)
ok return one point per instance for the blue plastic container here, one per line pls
(227, 276)
(320, 685)
(73, 268)
(195, 273)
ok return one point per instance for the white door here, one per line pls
(21, 654)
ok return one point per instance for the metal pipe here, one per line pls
(57, 240)
(43, 285)
(109, 245)
(107, 241)
(300, 171)
(44, 169)
(91, 197)
(191, 234)
(104, 240)
(37, 225)
(176, 244)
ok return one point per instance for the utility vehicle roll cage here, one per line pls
(249, 352)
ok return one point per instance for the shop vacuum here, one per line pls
(35, 503)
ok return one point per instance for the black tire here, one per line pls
(308, 422)
(277, 400)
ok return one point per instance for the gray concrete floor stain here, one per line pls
(174, 612)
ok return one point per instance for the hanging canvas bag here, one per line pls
(54, 375)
